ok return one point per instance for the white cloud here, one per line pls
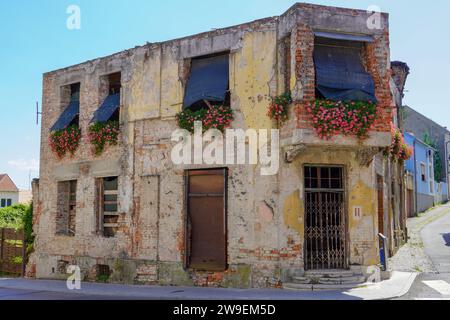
(24, 165)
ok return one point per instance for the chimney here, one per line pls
(400, 72)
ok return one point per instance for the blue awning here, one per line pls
(208, 80)
(107, 109)
(68, 115)
(340, 74)
(343, 36)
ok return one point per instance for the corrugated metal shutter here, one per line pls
(206, 196)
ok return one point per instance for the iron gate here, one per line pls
(12, 252)
(325, 223)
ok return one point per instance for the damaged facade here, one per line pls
(133, 216)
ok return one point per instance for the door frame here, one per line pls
(186, 221)
(345, 209)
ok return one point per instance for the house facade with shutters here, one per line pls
(130, 214)
(9, 193)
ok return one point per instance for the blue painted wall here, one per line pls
(426, 188)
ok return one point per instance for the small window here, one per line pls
(3, 203)
(323, 177)
(67, 207)
(8, 202)
(107, 206)
(109, 110)
(423, 172)
(70, 98)
(208, 82)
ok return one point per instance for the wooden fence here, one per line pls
(12, 252)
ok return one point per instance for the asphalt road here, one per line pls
(436, 241)
(18, 294)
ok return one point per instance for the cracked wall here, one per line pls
(265, 213)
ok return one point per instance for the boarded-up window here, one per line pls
(107, 206)
(206, 219)
(67, 207)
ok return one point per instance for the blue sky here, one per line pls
(34, 39)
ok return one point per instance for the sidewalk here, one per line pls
(397, 286)
(412, 257)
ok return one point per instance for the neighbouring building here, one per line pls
(131, 215)
(422, 128)
(425, 190)
(25, 196)
(9, 193)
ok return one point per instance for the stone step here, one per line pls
(343, 280)
(343, 286)
(334, 273)
(297, 286)
(299, 279)
(316, 287)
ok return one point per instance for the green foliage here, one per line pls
(102, 133)
(398, 150)
(18, 216)
(278, 108)
(437, 157)
(351, 118)
(65, 141)
(102, 278)
(216, 117)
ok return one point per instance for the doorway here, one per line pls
(325, 219)
(206, 233)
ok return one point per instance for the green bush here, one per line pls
(19, 217)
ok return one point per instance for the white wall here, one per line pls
(14, 196)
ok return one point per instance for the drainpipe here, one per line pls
(415, 178)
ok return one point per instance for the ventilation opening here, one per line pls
(62, 266)
(103, 272)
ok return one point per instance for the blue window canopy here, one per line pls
(208, 80)
(68, 116)
(109, 106)
(340, 74)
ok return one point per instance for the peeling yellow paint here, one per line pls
(252, 70)
(362, 196)
(294, 213)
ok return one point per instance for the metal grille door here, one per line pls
(325, 243)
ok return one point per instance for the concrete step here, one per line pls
(344, 280)
(297, 286)
(336, 286)
(316, 287)
(332, 273)
(335, 280)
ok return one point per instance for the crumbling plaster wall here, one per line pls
(265, 213)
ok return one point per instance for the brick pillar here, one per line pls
(305, 73)
(377, 63)
(302, 45)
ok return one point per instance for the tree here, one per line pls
(437, 157)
